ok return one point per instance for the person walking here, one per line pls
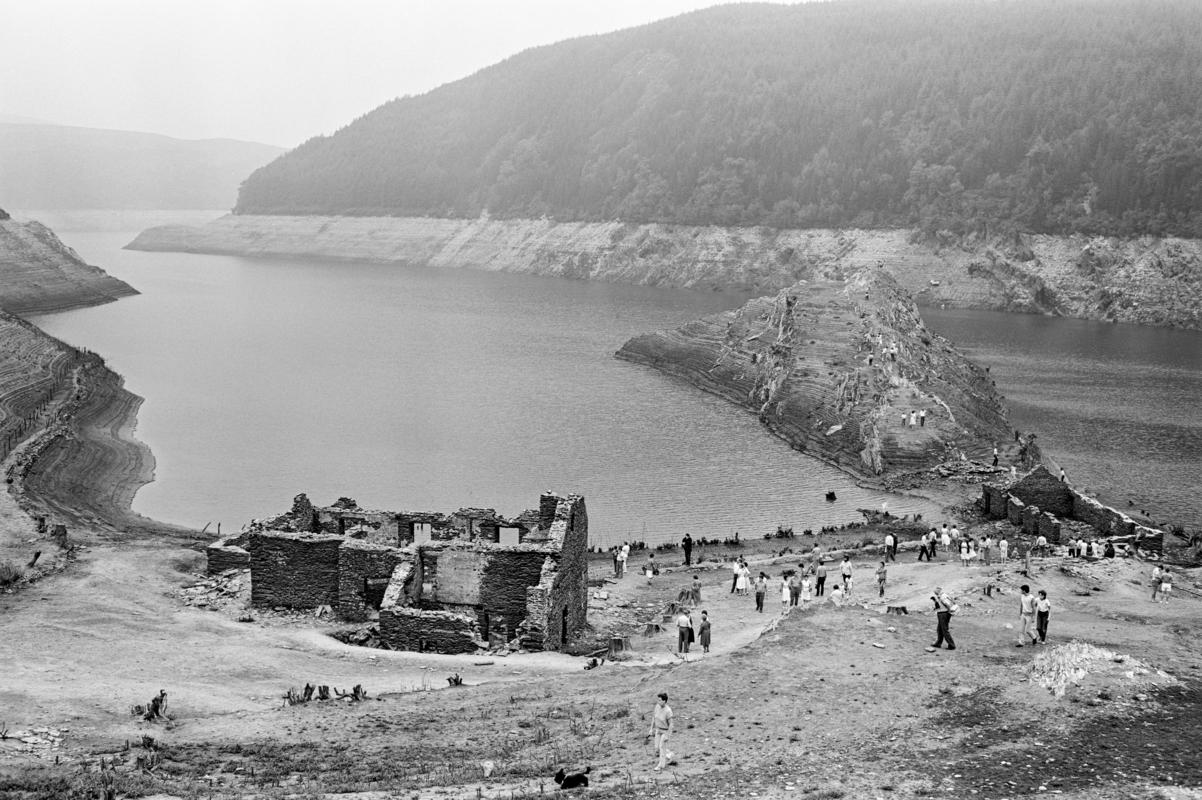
(744, 579)
(703, 632)
(820, 579)
(695, 591)
(922, 418)
(1026, 615)
(661, 730)
(946, 541)
(880, 579)
(1156, 573)
(995, 455)
(623, 557)
(686, 544)
(761, 589)
(684, 633)
(735, 568)
(845, 571)
(795, 586)
(943, 615)
(1043, 609)
(890, 542)
(1003, 550)
(614, 551)
(1166, 585)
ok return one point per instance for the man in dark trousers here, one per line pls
(820, 578)
(687, 544)
(943, 611)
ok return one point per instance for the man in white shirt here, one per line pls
(890, 543)
(684, 634)
(661, 730)
(623, 557)
(1026, 615)
(943, 613)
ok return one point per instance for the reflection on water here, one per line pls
(424, 389)
(1118, 406)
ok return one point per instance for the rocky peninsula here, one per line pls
(41, 274)
(842, 370)
(1147, 281)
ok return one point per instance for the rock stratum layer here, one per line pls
(835, 368)
(1145, 281)
(39, 274)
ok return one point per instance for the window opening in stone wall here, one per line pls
(509, 536)
(373, 591)
(422, 532)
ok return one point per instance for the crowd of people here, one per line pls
(808, 583)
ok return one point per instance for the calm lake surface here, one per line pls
(1119, 407)
(426, 389)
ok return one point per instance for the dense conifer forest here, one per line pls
(971, 117)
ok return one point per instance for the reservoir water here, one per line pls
(426, 389)
(1119, 407)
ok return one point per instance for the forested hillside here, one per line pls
(987, 117)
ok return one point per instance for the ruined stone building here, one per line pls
(443, 582)
(1038, 501)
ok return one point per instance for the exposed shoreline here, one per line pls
(1145, 281)
(80, 463)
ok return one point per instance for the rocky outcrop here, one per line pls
(38, 273)
(837, 369)
(1147, 281)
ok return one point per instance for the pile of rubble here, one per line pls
(1059, 667)
(38, 742)
(959, 470)
(229, 590)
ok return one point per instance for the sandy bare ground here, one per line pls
(782, 713)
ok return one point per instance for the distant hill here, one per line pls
(990, 117)
(46, 166)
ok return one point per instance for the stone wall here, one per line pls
(993, 498)
(557, 607)
(1104, 519)
(374, 527)
(406, 628)
(1030, 517)
(222, 557)
(294, 570)
(1039, 500)
(1039, 487)
(1014, 510)
(359, 564)
(1049, 527)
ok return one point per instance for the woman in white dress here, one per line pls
(744, 578)
(784, 592)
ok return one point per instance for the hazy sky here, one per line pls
(274, 71)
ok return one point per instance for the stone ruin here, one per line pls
(1038, 501)
(450, 583)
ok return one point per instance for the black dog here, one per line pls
(572, 781)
